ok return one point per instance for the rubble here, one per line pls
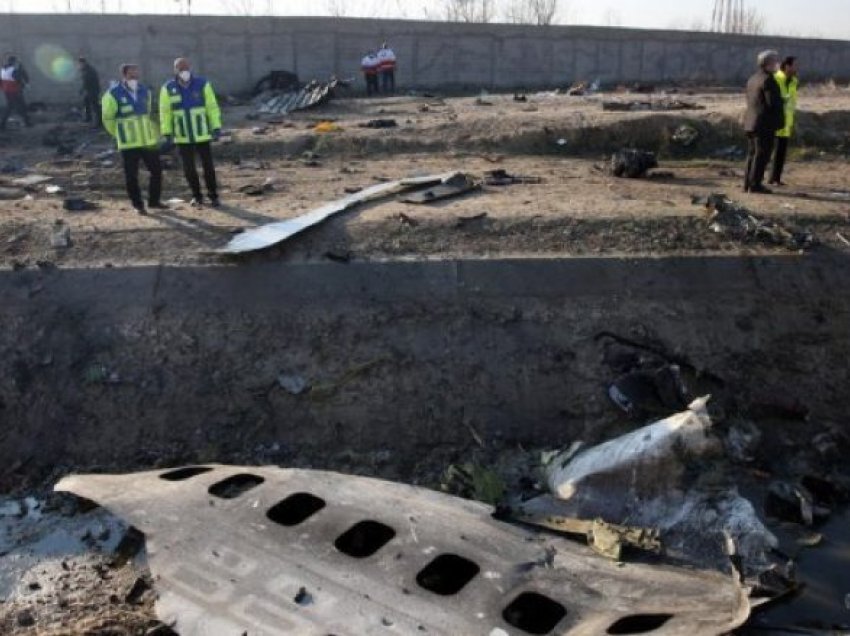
(455, 186)
(649, 105)
(650, 478)
(736, 221)
(632, 163)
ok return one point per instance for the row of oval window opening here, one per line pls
(446, 574)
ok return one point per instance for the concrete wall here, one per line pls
(236, 51)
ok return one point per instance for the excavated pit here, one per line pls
(394, 368)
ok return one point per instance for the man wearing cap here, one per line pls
(765, 116)
(190, 117)
(788, 82)
(126, 113)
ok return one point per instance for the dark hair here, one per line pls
(127, 67)
(788, 61)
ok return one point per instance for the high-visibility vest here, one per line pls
(127, 117)
(189, 113)
(788, 88)
(386, 60)
(369, 64)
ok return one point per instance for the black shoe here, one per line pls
(215, 202)
(776, 183)
(760, 189)
(746, 188)
(197, 202)
(158, 205)
(140, 208)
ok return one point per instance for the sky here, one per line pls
(815, 18)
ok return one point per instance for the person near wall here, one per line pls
(788, 81)
(14, 79)
(126, 109)
(764, 117)
(90, 91)
(386, 68)
(369, 65)
(190, 117)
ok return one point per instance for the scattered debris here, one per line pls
(632, 163)
(258, 189)
(352, 189)
(650, 478)
(276, 102)
(473, 481)
(53, 189)
(78, 204)
(520, 97)
(842, 238)
(500, 177)
(379, 123)
(60, 236)
(666, 105)
(463, 221)
(493, 562)
(685, 136)
(327, 127)
(31, 180)
(456, 185)
(404, 219)
(293, 383)
(259, 130)
(794, 503)
(735, 221)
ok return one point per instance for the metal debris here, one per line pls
(454, 186)
(648, 479)
(735, 221)
(500, 177)
(273, 233)
(315, 93)
(369, 554)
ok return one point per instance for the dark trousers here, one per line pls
(150, 157)
(187, 156)
(91, 108)
(15, 102)
(372, 83)
(779, 159)
(388, 81)
(759, 149)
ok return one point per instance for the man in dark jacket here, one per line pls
(90, 90)
(765, 115)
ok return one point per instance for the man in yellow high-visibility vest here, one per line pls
(126, 113)
(788, 81)
(190, 117)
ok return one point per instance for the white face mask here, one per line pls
(132, 84)
(185, 75)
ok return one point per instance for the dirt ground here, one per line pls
(579, 209)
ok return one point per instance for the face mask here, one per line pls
(184, 75)
(132, 84)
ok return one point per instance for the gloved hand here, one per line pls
(167, 144)
(216, 134)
